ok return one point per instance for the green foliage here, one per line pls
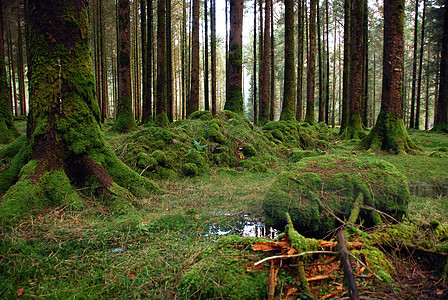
(252, 165)
(190, 169)
(201, 115)
(249, 151)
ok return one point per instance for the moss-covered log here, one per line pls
(64, 148)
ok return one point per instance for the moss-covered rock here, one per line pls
(319, 188)
(249, 150)
(190, 169)
(160, 157)
(199, 159)
(201, 115)
(297, 154)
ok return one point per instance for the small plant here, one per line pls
(197, 147)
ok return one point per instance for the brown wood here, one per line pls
(347, 265)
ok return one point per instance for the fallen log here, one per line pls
(346, 264)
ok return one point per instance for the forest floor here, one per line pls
(94, 254)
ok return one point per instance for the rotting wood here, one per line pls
(348, 271)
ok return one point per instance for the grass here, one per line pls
(93, 254)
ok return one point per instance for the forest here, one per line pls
(230, 149)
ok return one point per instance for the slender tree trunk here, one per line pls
(169, 61)
(420, 71)
(13, 101)
(260, 60)
(234, 101)
(162, 72)
(346, 71)
(206, 68)
(125, 119)
(414, 67)
(288, 108)
(321, 116)
(144, 35)
(8, 131)
(300, 16)
(441, 119)
(254, 77)
(311, 76)
(389, 133)
(365, 78)
(265, 66)
(103, 68)
(335, 54)
(327, 81)
(427, 97)
(184, 58)
(20, 73)
(213, 57)
(193, 99)
(272, 89)
(11, 58)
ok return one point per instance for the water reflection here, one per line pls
(243, 225)
(426, 189)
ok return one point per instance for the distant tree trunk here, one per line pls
(327, 81)
(193, 99)
(11, 58)
(125, 121)
(389, 133)
(265, 66)
(414, 67)
(272, 80)
(299, 103)
(321, 110)
(103, 67)
(184, 59)
(335, 54)
(311, 76)
(145, 47)
(7, 129)
(288, 109)
(14, 107)
(162, 72)
(420, 70)
(213, 56)
(346, 71)
(427, 96)
(169, 62)
(206, 70)
(254, 77)
(260, 59)
(354, 125)
(365, 77)
(441, 119)
(20, 73)
(234, 101)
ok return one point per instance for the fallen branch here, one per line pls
(348, 271)
(292, 256)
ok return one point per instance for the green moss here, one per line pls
(125, 121)
(13, 148)
(249, 151)
(234, 100)
(146, 161)
(378, 263)
(297, 154)
(201, 115)
(252, 165)
(162, 120)
(213, 133)
(190, 169)
(160, 157)
(199, 159)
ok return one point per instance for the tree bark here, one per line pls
(420, 71)
(288, 108)
(20, 73)
(299, 103)
(169, 62)
(311, 76)
(414, 67)
(206, 66)
(272, 69)
(213, 57)
(346, 71)
(254, 76)
(193, 99)
(321, 111)
(162, 72)
(389, 133)
(265, 66)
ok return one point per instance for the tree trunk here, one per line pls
(169, 61)
(414, 67)
(420, 71)
(265, 66)
(125, 121)
(20, 73)
(234, 101)
(260, 60)
(162, 72)
(7, 129)
(354, 126)
(206, 70)
(311, 75)
(346, 71)
(11, 58)
(321, 110)
(254, 76)
(365, 77)
(389, 133)
(441, 119)
(327, 81)
(103, 68)
(288, 108)
(272, 81)
(64, 144)
(300, 16)
(213, 57)
(146, 90)
(193, 99)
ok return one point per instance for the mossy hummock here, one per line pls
(64, 148)
(320, 190)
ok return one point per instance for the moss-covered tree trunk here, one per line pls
(346, 71)
(311, 75)
(193, 98)
(8, 131)
(441, 116)
(125, 121)
(354, 123)
(64, 147)
(288, 108)
(265, 65)
(300, 29)
(234, 98)
(389, 133)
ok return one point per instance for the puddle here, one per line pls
(426, 189)
(243, 225)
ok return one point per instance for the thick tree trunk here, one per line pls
(389, 133)
(125, 121)
(8, 131)
(288, 108)
(234, 101)
(162, 73)
(265, 66)
(441, 119)
(346, 71)
(193, 99)
(64, 144)
(311, 76)
(354, 126)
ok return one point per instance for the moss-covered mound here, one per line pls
(224, 270)
(320, 190)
